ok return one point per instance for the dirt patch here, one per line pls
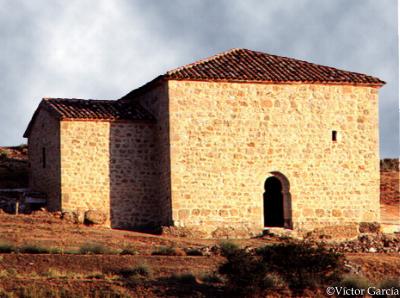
(376, 267)
(107, 264)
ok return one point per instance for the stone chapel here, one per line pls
(242, 140)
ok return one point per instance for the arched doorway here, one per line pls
(277, 201)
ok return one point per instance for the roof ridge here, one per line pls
(240, 64)
(48, 99)
(204, 60)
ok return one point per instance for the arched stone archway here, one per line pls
(277, 201)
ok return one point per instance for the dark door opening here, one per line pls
(273, 203)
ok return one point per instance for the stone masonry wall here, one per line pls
(390, 181)
(134, 184)
(107, 166)
(228, 138)
(156, 102)
(45, 135)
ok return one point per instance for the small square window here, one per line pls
(334, 135)
(44, 157)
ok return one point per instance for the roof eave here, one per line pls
(379, 85)
(144, 88)
(42, 105)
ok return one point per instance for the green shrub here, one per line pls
(390, 283)
(95, 249)
(71, 252)
(55, 250)
(6, 248)
(33, 249)
(39, 292)
(185, 278)
(246, 274)
(128, 251)
(228, 247)
(302, 265)
(353, 282)
(194, 252)
(54, 273)
(164, 251)
(142, 270)
(96, 275)
(295, 265)
(212, 278)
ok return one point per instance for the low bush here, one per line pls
(71, 252)
(6, 248)
(294, 265)
(54, 273)
(185, 278)
(353, 282)
(55, 250)
(228, 247)
(194, 252)
(95, 249)
(212, 278)
(128, 251)
(142, 270)
(33, 249)
(40, 292)
(246, 274)
(390, 283)
(96, 275)
(302, 265)
(165, 251)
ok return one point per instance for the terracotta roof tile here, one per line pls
(96, 109)
(72, 108)
(244, 65)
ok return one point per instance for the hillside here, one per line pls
(14, 167)
(49, 254)
(68, 268)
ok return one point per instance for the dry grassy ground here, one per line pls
(95, 274)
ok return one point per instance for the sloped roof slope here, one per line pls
(246, 65)
(72, 108)
(242, 65)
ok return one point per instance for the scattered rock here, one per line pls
(68, 217)
(231, 233)
(79, 216)
(369, 227)
(182, 232)
(373, 243)
(94, 217)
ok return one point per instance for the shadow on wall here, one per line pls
(140, 180)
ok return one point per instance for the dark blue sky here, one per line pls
(103, 49)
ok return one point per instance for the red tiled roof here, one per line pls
(96, 109)
(244, 65)
(72, 108)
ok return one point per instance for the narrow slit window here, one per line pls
(44, 157)
(334, 135)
